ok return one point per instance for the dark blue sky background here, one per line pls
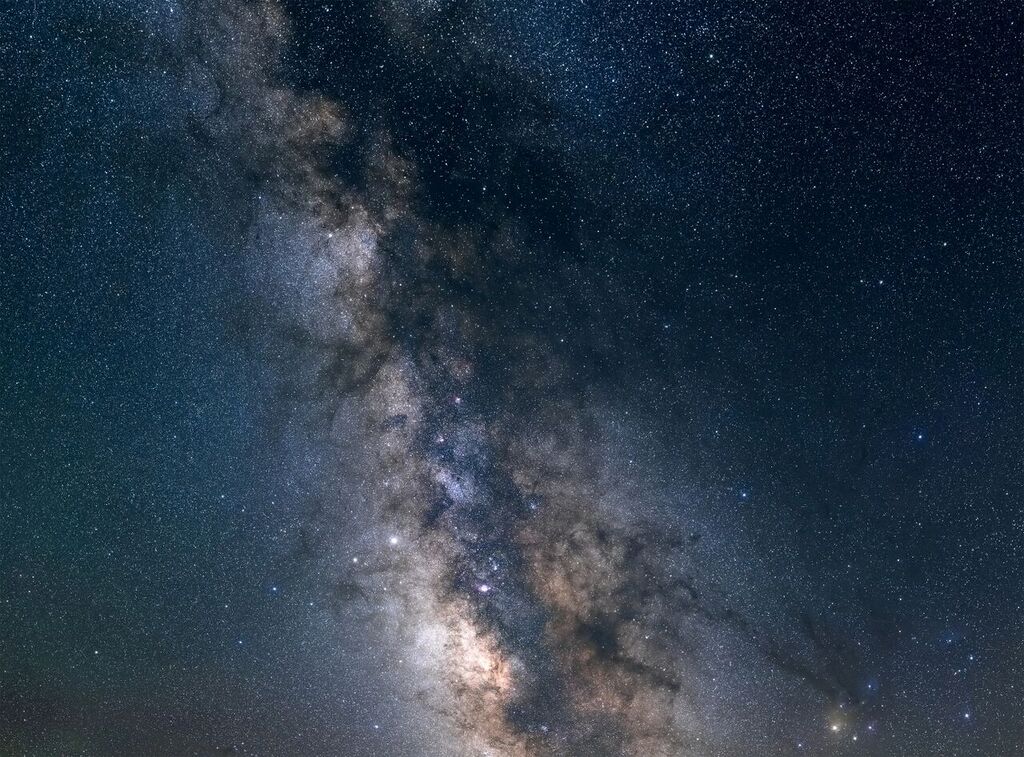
(784, 240)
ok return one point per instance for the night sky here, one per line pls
(514, 378)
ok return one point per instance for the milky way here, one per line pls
(547, 604)
(445, 378)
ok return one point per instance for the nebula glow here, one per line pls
(544, 604)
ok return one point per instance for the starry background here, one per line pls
(783, 238)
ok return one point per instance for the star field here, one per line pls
(526, 378)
